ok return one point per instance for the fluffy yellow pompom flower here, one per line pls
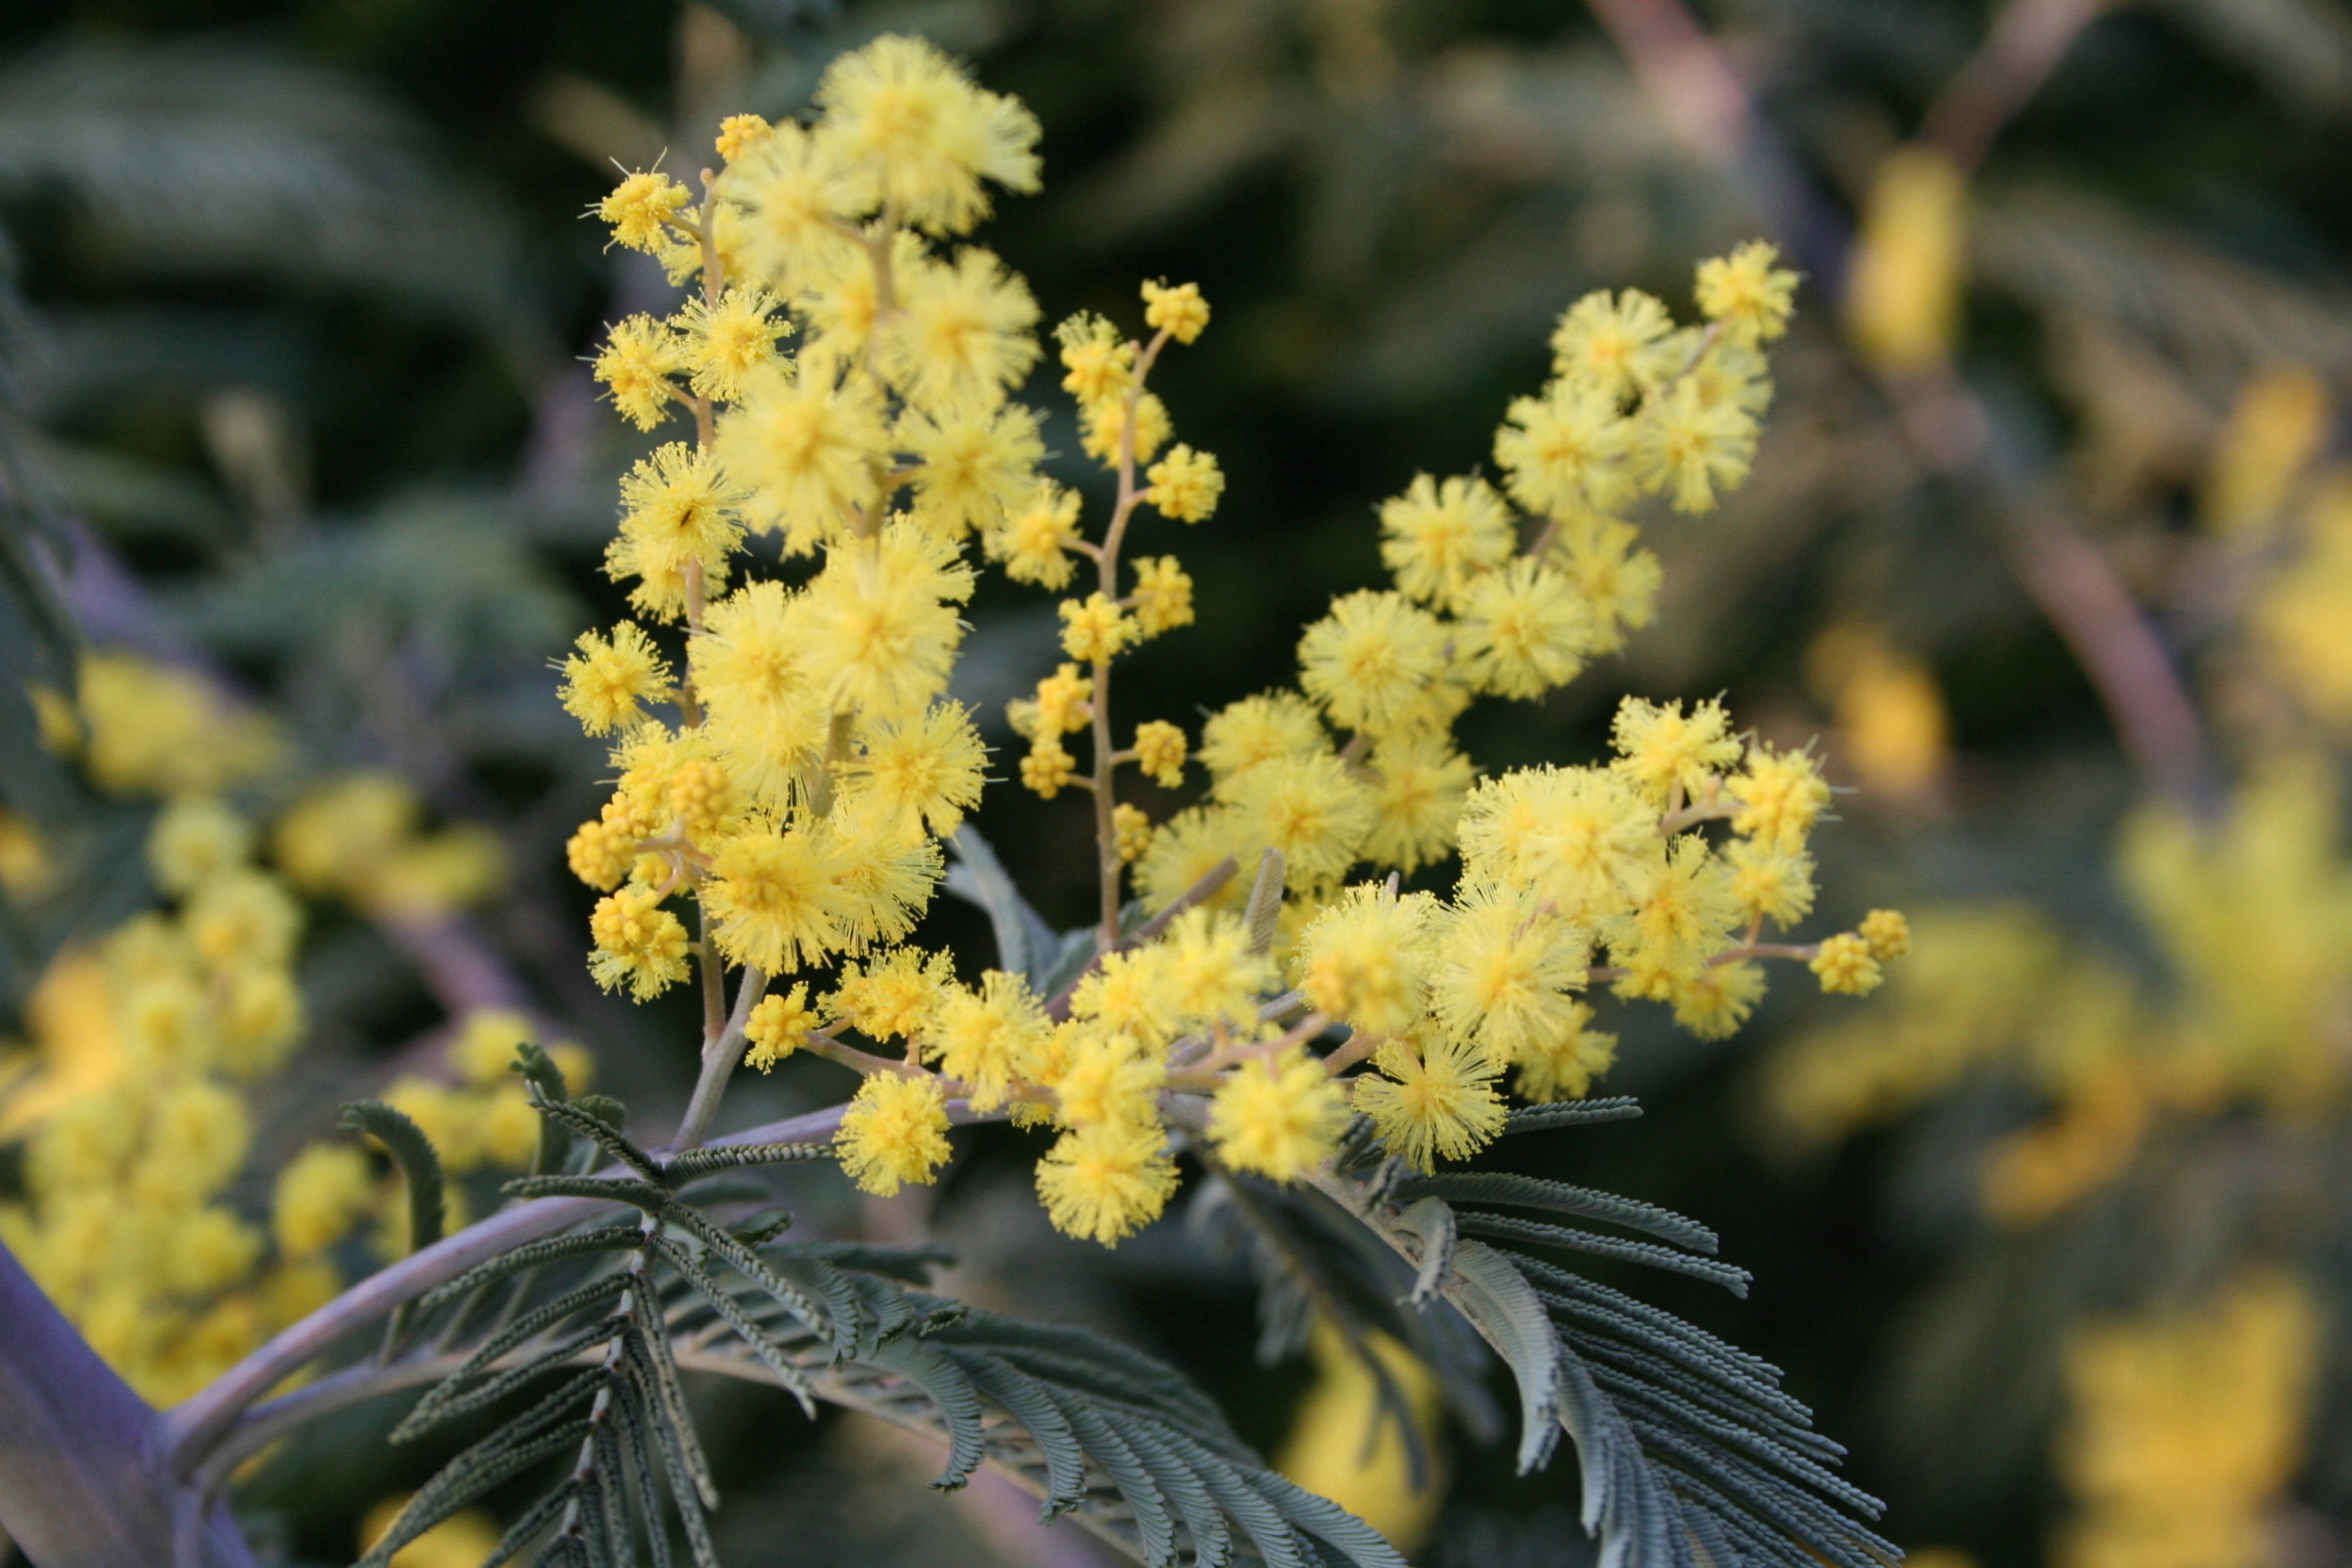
(972, 465)
(1256, 730)
(243, 918)
(1127, 993)
(1163, 596)
(1208, 972)
(1103, 428)
(1683, 913)
(1100, 363)
(773, 899)
(924, 135)
(1105, 1181)
(1106, 1079)
(1694, 445)
(1888, 932)
(607, 680)
(321, 1195)
(739, 133)
(1617, 345)
(880, 622)
(1180, 311)
(635, 364)
(1435, 537)
(641, 209)
(1846, 966)
(1160, 752)
(986, 1038)
(1186, 484)
(893, 1133)
(678, 510)
(761, 709)
(801, 447)
(1617, 583)
(196, 839)
(1712, 1001)
(1781, 794)
(1365, 959)
(1504, 968)
(1419, 782)
(1371, 658)
(1748, 292)
(1310, 807)
(722, 344)
(1561, 451)
(1577, 837)
(779, 1026)
(639, 944)
(1279, 1118)
(1769, 882)
(1565, 1067)
(788, 189)
(1435, 1102)
(924, 773)
(1524, 630)
(962, 334)
(892, 996)
(1094, 629)
(1661, 748)
(1034, 538)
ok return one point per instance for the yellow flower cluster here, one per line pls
(785, 757)
(2252, 918)
(360, 837)
(2183, 1432)
(135, 1125)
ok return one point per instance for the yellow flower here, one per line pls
(892, 996)
(1617, 583)
(486, 1042)
(893, 1133)
(779, 1025)
(1696, 446)
(1770, 882)
(720, 345)
(740, 133)
(1094, 629)
(924, 773)
(638, 943)
(1102, 428)
(1781, 794)
(805, 450)
(1047, 768)
(1714, 1000)
(1437, 1103)
(1436, 537)
(879, 622)
(924, 135)
(1105, 1181)
(1131, 829)
(970, 466)
(961, 336)
(1105, 1078)
(606, 680)
(1524, 630)
(1160, 752)
(1280, 1117)
(1561, 451)
(1419, 783)
(243, 918)
(1748, 293)
(1242, 734)
(1565, 1067)
(1578, 838)
(1617, 346)
(1370, 660)
(1210, 973)
(1888, 932)
(762, 712)
(986, 1038)
(1846, 966)
(1101, 364)
(1504, 968)
(679, 512)
(1186, 848)
(1308, 807)
(1060, 707)
(641, 209)
(1365, 959)
(1163, 598)
(1660, 749)
(1682, 914)
(635, 364)
(1129, 994)
(788, 189)
(1034, 538)
(1180, 311)
(772, 898)
(196, 839)
(320, 1194)
(1186, 484)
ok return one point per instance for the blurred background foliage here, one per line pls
(2050, 545)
